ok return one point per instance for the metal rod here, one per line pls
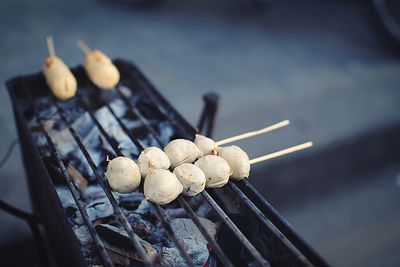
(236, 231)
(103, 183)
(262, 219)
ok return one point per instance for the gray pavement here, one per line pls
(321, 64)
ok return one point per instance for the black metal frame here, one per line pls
(281, 245)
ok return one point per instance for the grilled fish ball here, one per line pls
(152, 158)
(101, 71)
(123, 175)
(162, 187)
(206, 145)
(191, 177)
(59, 78)
(216, 170)
(182, 151)
(238, 161)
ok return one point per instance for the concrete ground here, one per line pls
(322, 64)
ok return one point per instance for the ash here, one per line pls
(158, 246)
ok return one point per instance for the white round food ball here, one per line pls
(206, 145)
(216, 170)
(162, 186)
(191, 177)
(152, 158)
(238, 160)
(123, 175)
(101, 71)
(182, 151)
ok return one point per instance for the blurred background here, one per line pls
(331, 67)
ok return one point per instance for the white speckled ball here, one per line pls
(216, 170)
(182, 151)
(191, 177)
(206, 145)
(152, 158)
(238, 161)
(123, 175)
(162, 186)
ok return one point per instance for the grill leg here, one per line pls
(208, 115)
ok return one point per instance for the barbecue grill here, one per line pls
(251, 232)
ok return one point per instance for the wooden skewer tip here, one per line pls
(50, 46)
(282, 152)
(83, 46)
(254, 133)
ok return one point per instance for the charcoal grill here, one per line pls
(263, 236)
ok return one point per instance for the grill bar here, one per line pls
(102, 181)
(162, 217)
(280, 223)
(105, 257)
(236, 231)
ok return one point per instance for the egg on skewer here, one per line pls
(152, 158)
(182, 151)
(99, 67)
(162, 186)
(191, 177)
(216, 170)
(58, 76)
(123, 175)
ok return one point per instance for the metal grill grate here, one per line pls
(281, 246)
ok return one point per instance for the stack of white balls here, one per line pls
(213, 166)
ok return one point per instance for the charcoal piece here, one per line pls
(176, 213)
(130, 201)
(120, 241)
(141, 226)
(83, 234)
(193, 241)
(114, 130)
(172, 257)
(100, 208)
(92, 193)
(143, 208)
(186, 229)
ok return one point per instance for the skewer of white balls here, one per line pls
(162, 186)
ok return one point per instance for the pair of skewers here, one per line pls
(194, 166)
(100, 69)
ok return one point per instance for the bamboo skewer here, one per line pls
(281, 152)
(83, 46)
(50, 46)
(253, 133)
